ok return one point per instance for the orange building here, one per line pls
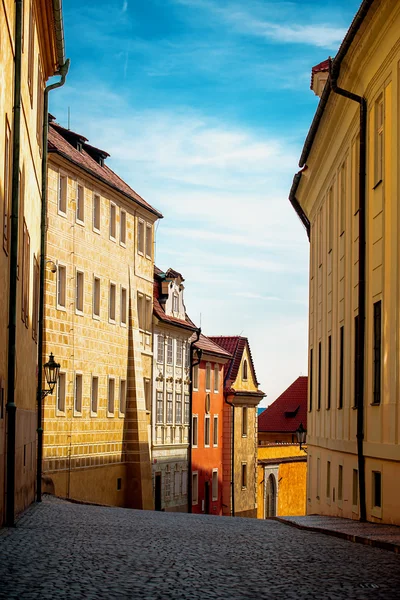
(207, 429)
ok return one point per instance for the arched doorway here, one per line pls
(270, 497)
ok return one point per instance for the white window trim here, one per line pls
(95, 229)
(123, 324)
(76, 412)
(62, 413)
(110, 320)
(110, 378)
(207, 417)
(112, 238)
(214, 498)
(92, 412)
(121, 243)
(144, 237)
(148, 226)
(121, 379)
(79, 221)
(94, 316)
(195, 502)
(60, 306)
(197, 418)
(215, 418)
(77, 311)
(60, 212)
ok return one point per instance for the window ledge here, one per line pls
(110, 415)
(377, 184)
(96, 317)
(79, 312)
(63, 308)
(375, 403)
(113, 239)
(79, 222)
(96, 230)
(122, 244)
(93, 414)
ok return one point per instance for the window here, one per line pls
(356, 371)
(140, 237)
(178, 409)
(113, 291)
(96, 297)
(310, 368)
(7, 189)
(343, 194)
(341, 368)
(149, 240)
(356, 164)
(61, 286)
(377, 351)
(31, 51)
(328, 404)
(355, 487)
(379, 132)
(35, 311)
(318, 477)
(207, 430)
(26, 267)
(244, 421)
(123, 306)
(244, 476)
(170, 416)
(215, 431)
(167, 482)
(194, 430)
(147, 393)
(170, 356)
(196, 377)
(79, 291)
(113, 221)
(160, 348)
(175, 303)
(122, 396)
(330, 219)
(160, 407)
(244, 374)
(96, 212)
(216, 378)
(95, 394)
(122, 228)
(144, 308)
(140, 310)
(21, 221)
(149, 313)
(208, 377)
(376, 489)
(340, 483)
(328, 479)
(179, 350)
(39, 107)
(177, 482)
(184, 482)
(62, 194)
(195, 488)
(319, 376)
(187, 407)
(187, 355)
(111, 395)
(215, 484)
(78, 392)
(80, 204)
(61, 392)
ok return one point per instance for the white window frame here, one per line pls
(149, 226)
(123, 387)
(195, 487)
(175, 303)
(113, 209)
(96, 195)
(178, 401)
(214, 496)
(195, 418)
(215, 430)
(110, 413)
(160, 348)
(62, 175)
(95, 315)
(79, 205)
(159, 402)
(170, 404)
(61, 267)
(170, 350)
(94, 413)
(207, 419)
(110, 319)
(78, 272)
(123, 306)
(61, 412)
(186, 413)
(78, 413)
(122, 230)
(141, 224)
(179, 353)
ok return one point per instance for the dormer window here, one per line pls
(175, 303)
(244, 375)
(101, 161)
(79, 146)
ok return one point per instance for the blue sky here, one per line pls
(204, 106)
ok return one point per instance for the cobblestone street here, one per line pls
(71, 551)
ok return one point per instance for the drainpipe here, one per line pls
(192, 364)
(11, 407)
(63, 73)
(232, 458)
(359, 400)
(295, 203)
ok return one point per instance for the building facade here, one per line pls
(98, 325)
(207, 426)
(171, 387)
(28, 33)
(241, 396)
(347, 196)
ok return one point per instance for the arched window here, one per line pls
(270, 497)
(245, 369)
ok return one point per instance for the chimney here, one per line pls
(319, 77)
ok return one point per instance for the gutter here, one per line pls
(63, 73)
(59, 32)
(192, 364)
(296, 204)
(11, 408)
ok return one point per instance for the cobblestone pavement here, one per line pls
(70, 551)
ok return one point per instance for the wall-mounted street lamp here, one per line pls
(301, 434)
(51, 371)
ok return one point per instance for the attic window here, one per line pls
(101, 161)
(291, 413)
(79, 146)
(244, 370)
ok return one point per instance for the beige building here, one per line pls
(30, 54)
(98, 324)
(347, 195)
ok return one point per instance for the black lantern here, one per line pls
(301, 434)
(51, 371)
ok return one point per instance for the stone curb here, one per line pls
(358, 539)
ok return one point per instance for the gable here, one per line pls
(243, 383)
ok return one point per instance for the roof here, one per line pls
(59, 141)
(158, 310)
(288, 411)
(322, 67)
(207, 345)
(235, 345)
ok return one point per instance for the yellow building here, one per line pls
(242, 396)
(32, 50)
(347, 196)
(98, 324)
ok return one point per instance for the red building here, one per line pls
(207, 427)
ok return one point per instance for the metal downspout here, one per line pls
(63, 72)
(359, 401)
(11, 407)
(232, 458)
(192, 364)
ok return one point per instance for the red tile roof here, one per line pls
(288, 411)
(207, 345)
(322, 67)
(235, 345)
(83, 159)
(159, 311)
